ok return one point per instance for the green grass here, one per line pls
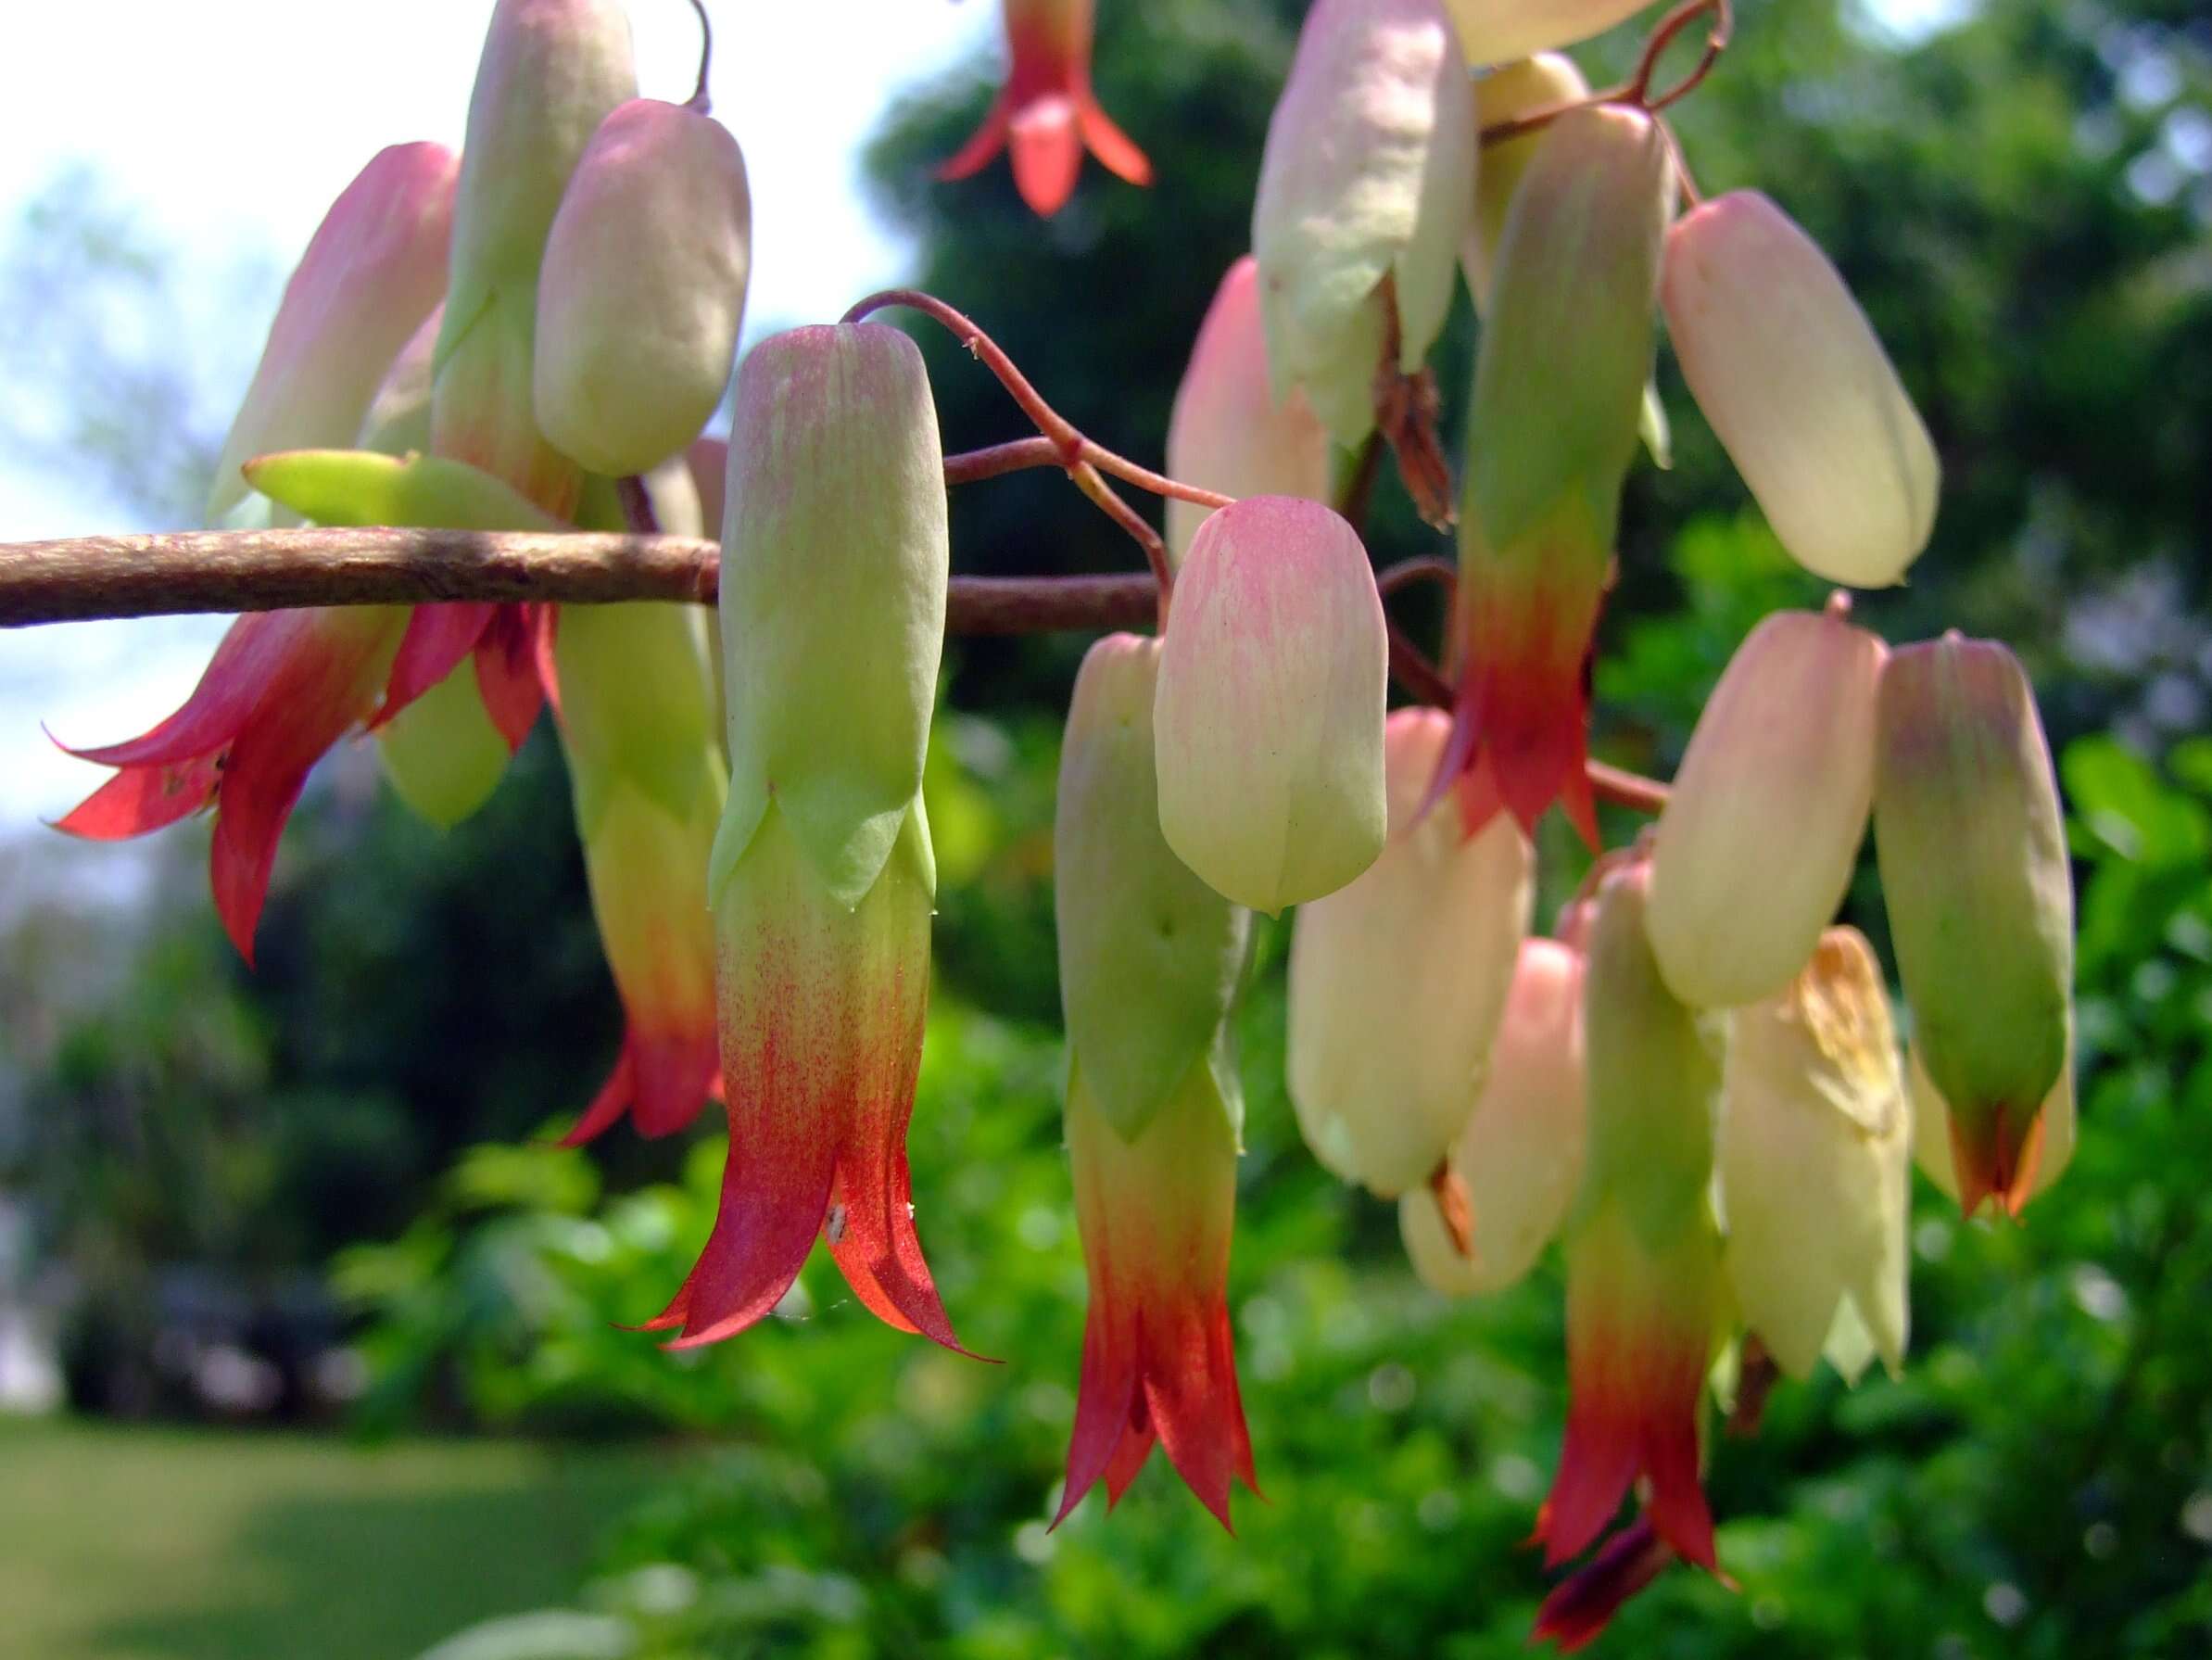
(127, 1543)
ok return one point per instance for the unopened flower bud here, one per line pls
(374, 268)
(1814, 1159)
(1150, 955)
(1498, 31)
(1367, 179)
(1518, 1160)
(1763, 827)
(1798, 389)
(1980, 897)
(833, 594)
(643, 290)
(1229, 432)
(552, 72)
(1397, 982)
(1269, 720)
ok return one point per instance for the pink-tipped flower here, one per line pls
(636, 714)
(821, 879)
(643, 290)
(1398, 981)
(1798, 389)
(1150, 960)
(374, 268)
(1498, 30)
(282, 686)
(1160, 1358)
(552, 72)
(1761, 830)
(1812, 1159)
(1981, 898)
(1645, 1290)
(1583, 1605)
(1229, 431)
(1269, 714)
(1558, 389)
(1046, 116)
(1517, 1163)
(1365, 186)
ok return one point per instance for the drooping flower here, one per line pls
(1981, 899)
(1813, 1156)
(284, 686)
(643, 291)
(821, 880)
(1559, 382)
(1498, 30)
(1644, 1289)
(1229, 431)
(1399, 981)
(1789, 372)
(1761, 829)
(1365, 186)
(636, 714)
(1150, 959)
(552, 72)
(1270, 715)
(1046, 116)
(1517, 1162)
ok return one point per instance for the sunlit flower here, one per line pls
(1397, 982)
(1981, 898)
(1229, 431)
(1498, 30)
(1046, 116)
(1269, 714)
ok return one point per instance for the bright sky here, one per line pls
(230, 127)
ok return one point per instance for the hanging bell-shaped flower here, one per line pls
(1813, 1159)
(1517, 1165)
(1559, 388)
(1789, 372)
(1981, 898)
(1150, 958)
(1644, 1291)
(822, 880)
(643, 290)
(1365, 186)
(1046, 116)
(1229, 432)
(1763, 827)
(1397, 982)
(1269, 720)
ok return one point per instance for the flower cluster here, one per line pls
(1695, 1083)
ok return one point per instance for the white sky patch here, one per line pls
(229, 128)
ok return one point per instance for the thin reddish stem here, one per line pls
(1636, 91)
(972, 465)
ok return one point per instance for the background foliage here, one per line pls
(2021, 201)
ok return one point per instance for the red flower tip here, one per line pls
(1521, 733)
(282, 688)
(1045, 114)
(1639, 1331)
(1995, 1159)
(1160, 1359)
(660, 1081)
(1583, 1605)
